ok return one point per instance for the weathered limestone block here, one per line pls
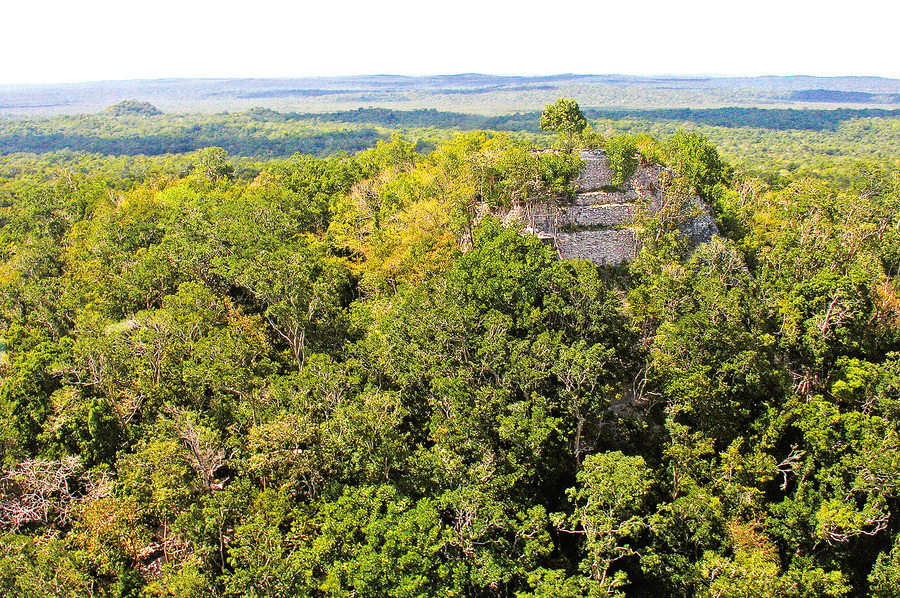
(599, 197)
(702, 228)
(596, 173)
(612, 214)
(603, 247)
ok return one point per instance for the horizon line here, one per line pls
(445, 75)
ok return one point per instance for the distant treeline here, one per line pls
(140, 130)
(831, 95)
(777, 119)
(527, 121)
(258, 132)
(191, 139)
(780, 119)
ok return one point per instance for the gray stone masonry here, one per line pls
(599, 197)
(607, 215)
(603, 247)
(596, 173)
(598, 225)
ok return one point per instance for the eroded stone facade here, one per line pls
(598, 225)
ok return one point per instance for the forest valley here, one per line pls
(342, 376)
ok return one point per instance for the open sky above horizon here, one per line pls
(52, 41)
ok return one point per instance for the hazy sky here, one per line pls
(48, 41)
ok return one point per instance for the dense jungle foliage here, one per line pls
(343, 377)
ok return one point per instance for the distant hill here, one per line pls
(467, 93)
(133, 108)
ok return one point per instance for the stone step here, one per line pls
(597, 215)
(603, 247)
(595, 197)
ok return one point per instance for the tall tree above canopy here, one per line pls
(565, 117)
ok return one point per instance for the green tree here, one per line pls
(693, 157)
(565, 118)
(212, 164)
(622, 153)
(40, 567)
(607, 503)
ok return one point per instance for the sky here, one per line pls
(52, 41)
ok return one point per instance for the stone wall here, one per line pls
(596, 173)
(598, 224)
(590, 198)
(603, 247)
(607, 215)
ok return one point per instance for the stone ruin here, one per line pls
(598, 224)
